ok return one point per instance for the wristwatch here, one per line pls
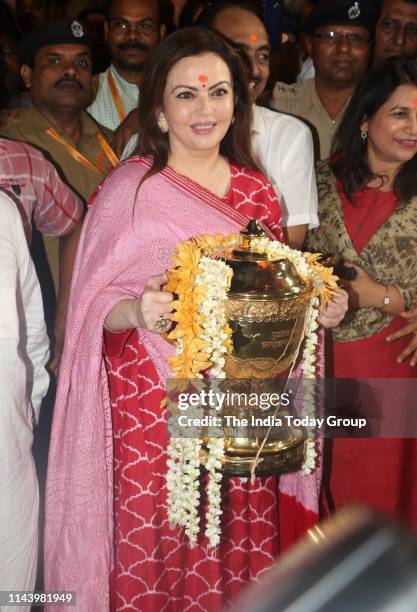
(386, 301)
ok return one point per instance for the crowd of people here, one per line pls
(126, 128)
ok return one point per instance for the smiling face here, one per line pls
(392, 131)
(246, 31)
(198, 104)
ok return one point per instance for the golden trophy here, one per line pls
(266, 310)
(245, 310)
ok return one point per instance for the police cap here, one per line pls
(361, 13)
(63, 31)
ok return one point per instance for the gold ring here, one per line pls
(162, 324)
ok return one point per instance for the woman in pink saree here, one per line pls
(107, 531)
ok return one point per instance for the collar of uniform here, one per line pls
(90, 127)
(315, 97)
(317, 102)
(307, 95)
(34, 122)
(120, 81)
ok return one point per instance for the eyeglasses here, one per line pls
(121, 26)
(335, 38)
(392, 26)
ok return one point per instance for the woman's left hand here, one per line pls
(364, 291)
(334, 311)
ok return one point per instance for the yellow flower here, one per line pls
(329, 281)
(194, 358)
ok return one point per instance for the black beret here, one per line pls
(362, 13)
(63, 31)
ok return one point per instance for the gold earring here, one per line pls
(162, 123)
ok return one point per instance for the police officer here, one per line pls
(340, 34)
(56, 67)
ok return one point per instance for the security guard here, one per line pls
(340, 42)
(56, 66)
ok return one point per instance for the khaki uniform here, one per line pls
(302, 101)
(29, 125)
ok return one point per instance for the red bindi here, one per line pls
(414, 102)
(253, 37)
(203, 79)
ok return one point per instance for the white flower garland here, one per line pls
(183, 485)
(278, 250)
(175, 483)
(214, 466)
(191, 471)
(185, 453)
(309, 371)
(216, 276)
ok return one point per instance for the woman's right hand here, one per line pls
(153, 304)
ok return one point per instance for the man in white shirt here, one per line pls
(23, 383)
(132, 30)
(282, 143)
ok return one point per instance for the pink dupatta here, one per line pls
(128, 235)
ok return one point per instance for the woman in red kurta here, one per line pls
(156, 568)
(368, 212)
(107, 532)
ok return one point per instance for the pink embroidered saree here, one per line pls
(108, 424)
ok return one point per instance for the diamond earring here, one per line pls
(162, 123)
(364, 136)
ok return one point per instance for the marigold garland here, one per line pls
(203, 338)
(194, 352)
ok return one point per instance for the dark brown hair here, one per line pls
(236, 145)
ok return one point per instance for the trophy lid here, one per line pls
(256, 275)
